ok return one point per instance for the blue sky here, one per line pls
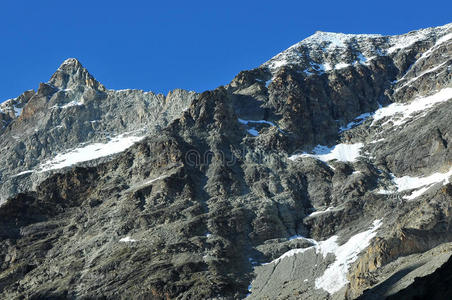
(195, 45)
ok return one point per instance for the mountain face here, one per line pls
(322, 174)
(73, 118)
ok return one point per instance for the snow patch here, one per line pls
(362, 59)
(408, 183)
(300, 237)
(17, 111)
(289, 254)
(341, 65)
(335, 276)
(267, 83)
(377, 141)
(10, 106)
(69, 104)
(399, 113)
(72, 103)
(90, 152)
(22, 173)
(444, 39)
(246, 122)
(127, 239)
(340, 152)
(155, 179)
(253, 130)
(419, 184)
(320, 212)
(385, 192)
(357, 121)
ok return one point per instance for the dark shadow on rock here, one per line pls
(380, 290)
(437, 285)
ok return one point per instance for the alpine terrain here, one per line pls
(324, 173)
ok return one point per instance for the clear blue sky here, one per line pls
(195, 45)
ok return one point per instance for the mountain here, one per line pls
(73, 118)
(322, 174)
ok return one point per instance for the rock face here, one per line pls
(323, 173)
(69, 112)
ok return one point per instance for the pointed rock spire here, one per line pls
(71, 74)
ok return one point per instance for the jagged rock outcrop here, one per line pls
(12, 108)
(323, 173)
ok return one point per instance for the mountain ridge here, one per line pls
(280, 185)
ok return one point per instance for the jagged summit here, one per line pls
(327, 51)
(71, 74)
(333, 39)
(338, 39)
(70, 63)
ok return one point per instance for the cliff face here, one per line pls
(320, 174)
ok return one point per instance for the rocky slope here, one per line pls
(45, 130)
(323, 173)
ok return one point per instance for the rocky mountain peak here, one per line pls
(71, 63)
(71, 75)
(334, 39)
(328, 51)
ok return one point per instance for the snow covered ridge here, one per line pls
(90, 152)
(69, 62)
(340, 152)
(333, 40)
(349, 49)
(419, 184)
(311, 52)
(406, 40)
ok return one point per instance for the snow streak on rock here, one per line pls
(252, 130)
(335, 276)
(340, 152)
(400, 113)
(419, 184)
(90, 152)
(127, 239)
